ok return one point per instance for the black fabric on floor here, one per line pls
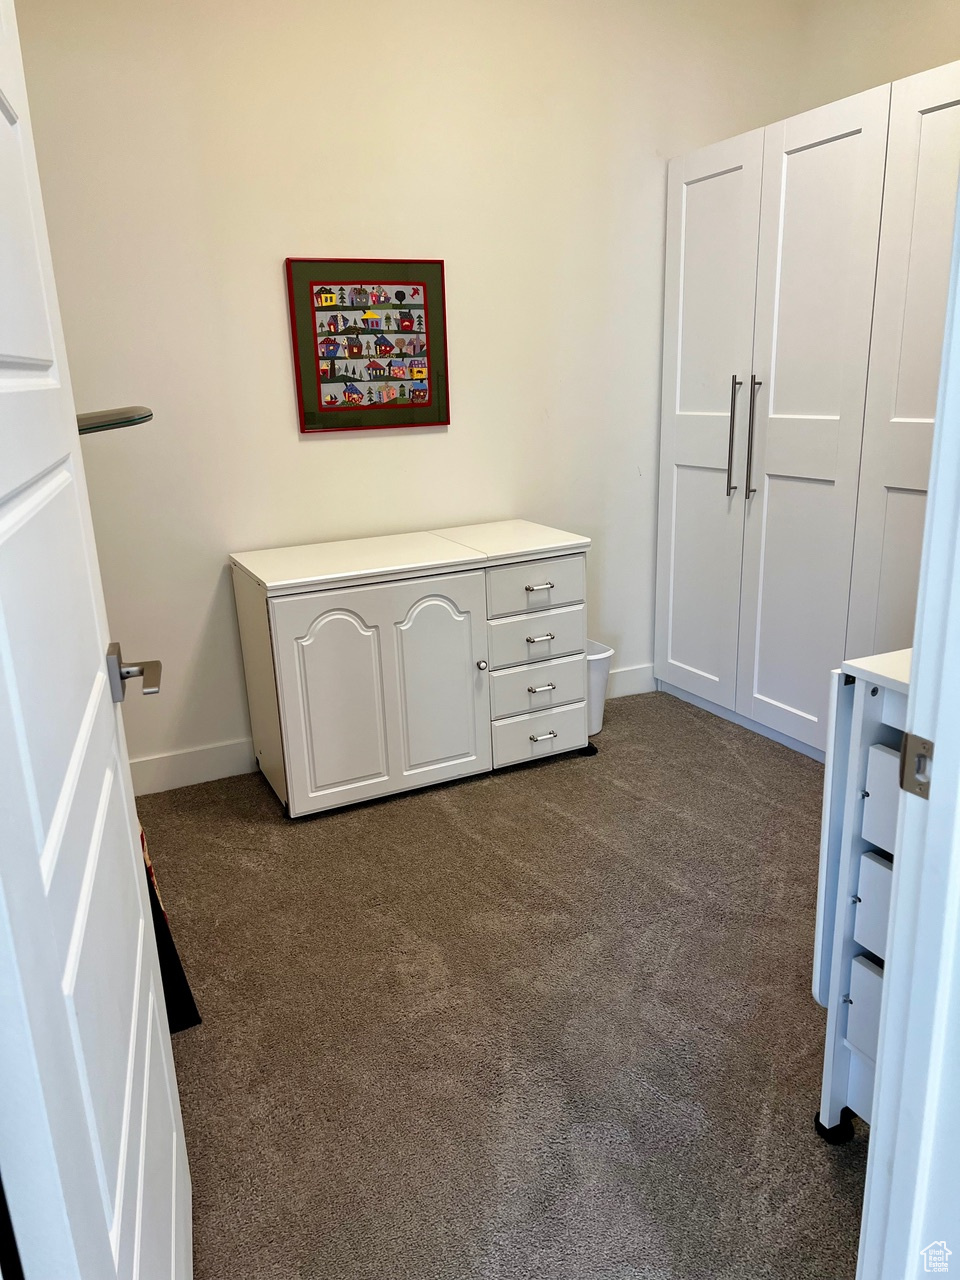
(178, 999)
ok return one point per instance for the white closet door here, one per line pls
(920, 194)
(713, 213)
(822, 189)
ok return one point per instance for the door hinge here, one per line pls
(916, 754)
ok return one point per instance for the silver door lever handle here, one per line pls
(120, 671)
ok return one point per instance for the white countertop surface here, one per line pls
(890, 670)
(282, 569)
(515, 539)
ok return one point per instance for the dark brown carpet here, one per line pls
(554, 1023)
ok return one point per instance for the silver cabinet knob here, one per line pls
(482, 665)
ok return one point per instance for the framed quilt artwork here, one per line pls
(369, 343)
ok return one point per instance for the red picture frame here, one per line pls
(369, 343)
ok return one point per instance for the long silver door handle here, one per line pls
(735, 385)
(119, 672)
(540, 639)
(543, 736)
(540, 688)
(755, 385)
(541, 586)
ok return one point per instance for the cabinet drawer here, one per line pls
(866, 992)
(516, 690)
(873, 909)
(542, 734)
(550, 634)
(882, 803)
(537, 584)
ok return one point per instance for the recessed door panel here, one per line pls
(25, 344)
(156, 1246)
(54, 645)
(436, 667)
(900, 551)
(822, 187)
(66, 851)
(342, 697)
(806, 377)
(709, 343)
(925, 303)
(799, 629)
(919, 200)
(713, 211)
(101, 982)
(702, 629)
(443, 703)
(329, 655)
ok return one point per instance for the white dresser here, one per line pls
(861, 803)
(377, 665)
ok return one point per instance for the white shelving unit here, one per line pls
(868, 707)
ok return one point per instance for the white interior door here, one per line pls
(822, 188)
(91, 1141)
(913, 1179)
(713, 214)
(920, 194)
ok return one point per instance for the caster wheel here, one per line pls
(840, 1133)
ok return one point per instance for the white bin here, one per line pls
(599, 657)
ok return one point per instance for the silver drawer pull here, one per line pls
(540, 639)
(540, 688)
(543, 586)
(543, 736)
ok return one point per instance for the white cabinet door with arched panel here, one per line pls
(380, 688)
(340, 692)
(444, 698)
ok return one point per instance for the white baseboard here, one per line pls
(224, 759)
(627, 680)
(195, 764)
(735, 718)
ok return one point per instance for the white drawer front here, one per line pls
(882, 804)
(542, 734)
(551, 634)
(516, 690)
(863, 1019)
(873, 909)
(537, 584)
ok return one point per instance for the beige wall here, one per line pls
(851, 45)
(187, 148)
